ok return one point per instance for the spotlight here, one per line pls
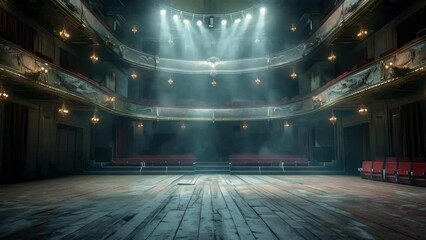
(224, 22)
(199, 22)
(211, 22)
(248, 16)
(163, 12)
(237, 20)
(262, 10)
(186, 21)
(175, 17)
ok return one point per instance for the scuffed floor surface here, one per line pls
(212, 207)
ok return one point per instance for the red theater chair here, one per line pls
(366, 169)
(390, 171)
(419, 174)
(377, 170)
(403, 173)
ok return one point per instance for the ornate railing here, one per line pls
(345, 13)
(27, 68)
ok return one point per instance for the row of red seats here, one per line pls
(397, 172)
(267, 160)
(157, 160)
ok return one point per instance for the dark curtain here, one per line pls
(413, 130)
(15, 130)
(124, 139)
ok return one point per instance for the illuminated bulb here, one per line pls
(186, 21)
(140, 125)
(64, 34)
(163, 12)
(63, 110)
(199, 23)
(362, 33)
(237, 20)
(248, 16)
(170, 81)
(245, 125)
(134, 76)
(332, 57)
(134, 29)
(262, 10)
(44, 69)
(293, 75)
(183, 126)
(286, 124)
(362, 109)
(293, 27)
(224, 22)
(214, 83)
(333, 119)
(3, 94)
(257, 40)
(94, 58)
(175, 17)
(95, 118)
(257, 81)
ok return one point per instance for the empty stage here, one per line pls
(212, 206)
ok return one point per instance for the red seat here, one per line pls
(366, 169)
(403, 172)
(390, 171)
(419, 174)
(376, 171)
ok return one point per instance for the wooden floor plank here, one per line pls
(212, 207)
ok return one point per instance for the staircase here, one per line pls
(212, 168)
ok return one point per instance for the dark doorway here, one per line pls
(69, 148)
(356, 147)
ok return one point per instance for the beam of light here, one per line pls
(258, 42)
(165, 35)
(262, 10)
(186, 21)
(237, 20)
(248, 17)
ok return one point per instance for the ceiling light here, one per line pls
(293, 75)
(248, 16)
(133, 75)
(94, 58)
(214, 83)
(363, 110)
(175, 17)
(293, 27)
(199, 22)
(183, 126)
(95, 118)
(257, 81)
(134, 29)
(64, 34)
(186, 21)
(333, 118)
(63, 110)
(331, 57)
(170, 81)
(3, 94)
(362, 33)
(140, 124)
(286, 124)
(224, 22)
(262, 10)
(237, 20)
(163, 12)
(245, 125)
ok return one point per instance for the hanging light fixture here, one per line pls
(3, 94)
(286, 124)
(95, 118)
(44, 68)
(134, 29)
(293, 75)
(140, 124)
(257, 80)
(333, 118)
(133, 75)
(64, 34)
(94, 58)
(245, 125)
(362, 109)
(183, 126)
(213, 82)
(332, 56)
(362, 33)
(293, 27)
(170, 81)
(63, 111)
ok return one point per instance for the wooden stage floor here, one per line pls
(212, 207)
